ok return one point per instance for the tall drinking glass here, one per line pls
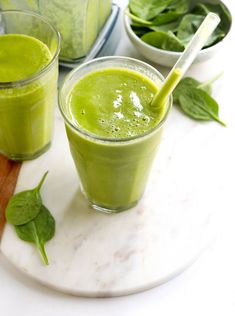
(113, 171)
(27, 106)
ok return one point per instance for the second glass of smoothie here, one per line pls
(112, 130)
(29, 49)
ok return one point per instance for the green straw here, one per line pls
(200, 38)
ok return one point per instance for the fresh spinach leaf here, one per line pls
(174, 10)
(220, 9)
(137, 20)
(38, 231)
(25, 206)
(180, 17)
(188, 83)
(193, 97)
(166, 17)
(140, 30)
(207, 85)
(188, 27)
(172, 26)
(184, 84)
(163, 40)
(199, 105)
(180, 6)
(215, 37)
(148, 9)
(201, 9)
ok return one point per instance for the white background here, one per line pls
(206, 288)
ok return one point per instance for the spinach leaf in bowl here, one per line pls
(220, 9)
(188, 27)
(141, 29)
(174, 10)
(148, 9)
(171, 24)
(163, 40)
(167, 17)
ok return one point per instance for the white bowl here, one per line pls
(164, 57)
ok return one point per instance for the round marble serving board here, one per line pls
(100, 255)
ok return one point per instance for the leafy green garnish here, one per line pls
(38, 231)
(25, 206)
(32, 220)
(179, 17)
(194, 100)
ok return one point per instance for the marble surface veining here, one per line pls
(94, 254)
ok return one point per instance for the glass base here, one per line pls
(112, 211)
(105, 209)
(23, 157)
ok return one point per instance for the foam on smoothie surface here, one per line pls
(21, 56)
(114, 102)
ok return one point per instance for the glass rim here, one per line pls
(37, 75)
(109, 139)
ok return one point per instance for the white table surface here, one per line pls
(206, 288)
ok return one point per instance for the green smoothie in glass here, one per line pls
(27, 92)
(112, 130)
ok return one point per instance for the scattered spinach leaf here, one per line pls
(163, 40)
(199, 105)
(194, 99)
(207, 85)
(25, 206)
(184, 84)
(38, 231)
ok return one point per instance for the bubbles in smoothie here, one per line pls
(116, 103)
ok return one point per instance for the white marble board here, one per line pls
(99, 255)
